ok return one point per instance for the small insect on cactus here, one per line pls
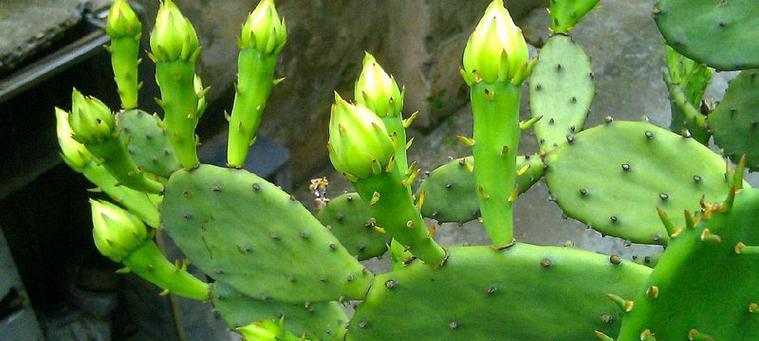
(282, 273)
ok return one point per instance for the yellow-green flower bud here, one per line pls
(116, 232)
(263, 30)
(90, 120)
(359, 144)
(173, 37)
(377, 90)
(496, 50)
(122, 21)
(73, 153)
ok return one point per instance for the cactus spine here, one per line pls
(263, 38)
(175, 49)
(125, 31)
(495, 64)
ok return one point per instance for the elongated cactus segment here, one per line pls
(561, 91)
(325, 320)
(242, 230)
(686, 81)
(175, 50)
(721, 34)
(254, 84)
(149, 263)
(349, 218)
(705, 286)
(565, 14)
(614, 176)
(735, 121)
(523, 292)
(125, 31)
(496, 134)
(391, 204)
(450, 194)
(145, 138)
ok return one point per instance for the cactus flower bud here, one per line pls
(173, 37)
(377, 90)
(263, 30)
(359, 144)
(90, 120)
(122, 21)
(116, 232)
(496, 50)
(73, 153)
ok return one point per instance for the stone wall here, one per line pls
(419, 41)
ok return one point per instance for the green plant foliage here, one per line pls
(723, 34)
(145, 138)
(614, 176)
(735, 121)
(244, 231)
(561, 90)
(349, 219)
(523, 292)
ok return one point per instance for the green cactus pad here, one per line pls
(721, 34)
(612, 177)
(523, 292)
(326, 320)
(735, 121)
(566, 13)
(146, 142)
(450, 193)
(561, 90)
(349, 219)
(723, 283)
(242, 230)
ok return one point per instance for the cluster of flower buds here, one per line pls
(123, 21)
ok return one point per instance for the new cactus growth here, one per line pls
(262, 39)
(125, 31)
(175, 49)
(495, 64)
(281, 272)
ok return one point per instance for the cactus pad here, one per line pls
(326, 320)
(735, 121)
(523, 292)
(561, 90)
(703, 263)
(349, 219)
(146, 142)
(721, 34)
(566, 13)
(244, 231)
(614, 176)
(450, 193)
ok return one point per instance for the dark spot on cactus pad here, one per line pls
(614, 259)
(390, 284)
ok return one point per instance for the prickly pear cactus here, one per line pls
(146, 142)
(523, 292)
(561, 91)
(612, 177)
(349, 219)
(735, 121)
(324, 320)
(706, 285)
(721, 34)
(236, 226)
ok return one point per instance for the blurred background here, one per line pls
(53, 283)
